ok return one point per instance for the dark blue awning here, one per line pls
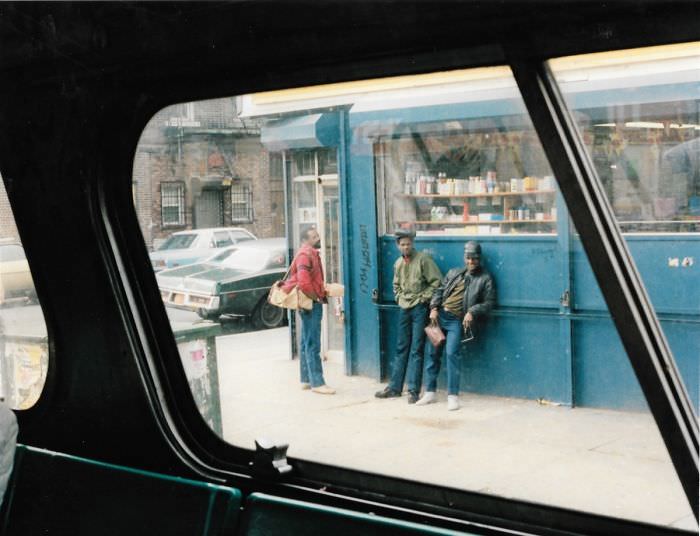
(314, 130)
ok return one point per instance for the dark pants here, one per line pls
(408, 361)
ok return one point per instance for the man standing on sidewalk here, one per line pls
(306, 272)
(415, 277)
(466, 295)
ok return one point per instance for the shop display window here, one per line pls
(480, 177)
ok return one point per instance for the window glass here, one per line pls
(638, 113)
(548, 407)
(467, 178)
(24, 351)
(178, 241)
(172, 204)
(240, 236)
(241, 202)
(222, 239)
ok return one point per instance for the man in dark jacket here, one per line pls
(465, 296)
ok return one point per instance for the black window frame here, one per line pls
(449, 507)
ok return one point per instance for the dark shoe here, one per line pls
(387, 392)
(412, 397)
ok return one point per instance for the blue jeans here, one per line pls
(452, 326)
(409, 349)
(310, 359)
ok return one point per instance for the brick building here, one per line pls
(199, 165)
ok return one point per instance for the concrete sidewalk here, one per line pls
(602, 461)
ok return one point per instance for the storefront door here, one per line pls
(315, 203)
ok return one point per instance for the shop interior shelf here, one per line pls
(485, 194)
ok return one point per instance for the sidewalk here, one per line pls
(602, 461)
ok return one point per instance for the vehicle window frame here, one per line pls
(225, 459)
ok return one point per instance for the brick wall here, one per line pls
(211, 151)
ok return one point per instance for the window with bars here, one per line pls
(172, 203)
(241, 202)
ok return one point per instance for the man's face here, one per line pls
(313, 238)
(472, 262)
(405, 246)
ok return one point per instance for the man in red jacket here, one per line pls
(306, 272)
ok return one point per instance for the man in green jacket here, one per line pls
(416, 276)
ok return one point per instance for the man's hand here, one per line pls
(433, 315)
(467, 320)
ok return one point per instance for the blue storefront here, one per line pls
(551, 336)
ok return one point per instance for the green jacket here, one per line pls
(415, 281)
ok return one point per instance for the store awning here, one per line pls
(314, 130)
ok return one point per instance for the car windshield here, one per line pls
(248, 259)
(180, 241)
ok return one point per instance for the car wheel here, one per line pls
(267, 316)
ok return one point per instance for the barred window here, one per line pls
(241, 202)
(172, 203)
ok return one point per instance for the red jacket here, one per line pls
(307, 273)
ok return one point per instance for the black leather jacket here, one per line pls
(479, 291)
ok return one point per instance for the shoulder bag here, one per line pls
(294, 299)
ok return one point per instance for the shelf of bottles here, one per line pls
(481, 205)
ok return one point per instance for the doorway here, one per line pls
(209, 209)
(315, 202)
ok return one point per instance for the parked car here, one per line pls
(234, 282)
(187, 247)
(16, 281)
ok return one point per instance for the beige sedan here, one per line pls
(15, 278)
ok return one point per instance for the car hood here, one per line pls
(201, 277)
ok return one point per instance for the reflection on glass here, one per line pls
(550, 409)
(24, 355)
(639, 115)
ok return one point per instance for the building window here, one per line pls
(172, 203)
(241, 202)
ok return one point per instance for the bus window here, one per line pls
(24, 349)
(547, 409)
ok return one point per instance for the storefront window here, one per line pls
(639, 116)
(462, 159)
(468, 177)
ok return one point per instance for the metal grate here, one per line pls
(241, 203)
(172, 203)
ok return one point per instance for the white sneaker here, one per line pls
(427, 398)
(452, 402)
(305, 386)
(323, 390)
